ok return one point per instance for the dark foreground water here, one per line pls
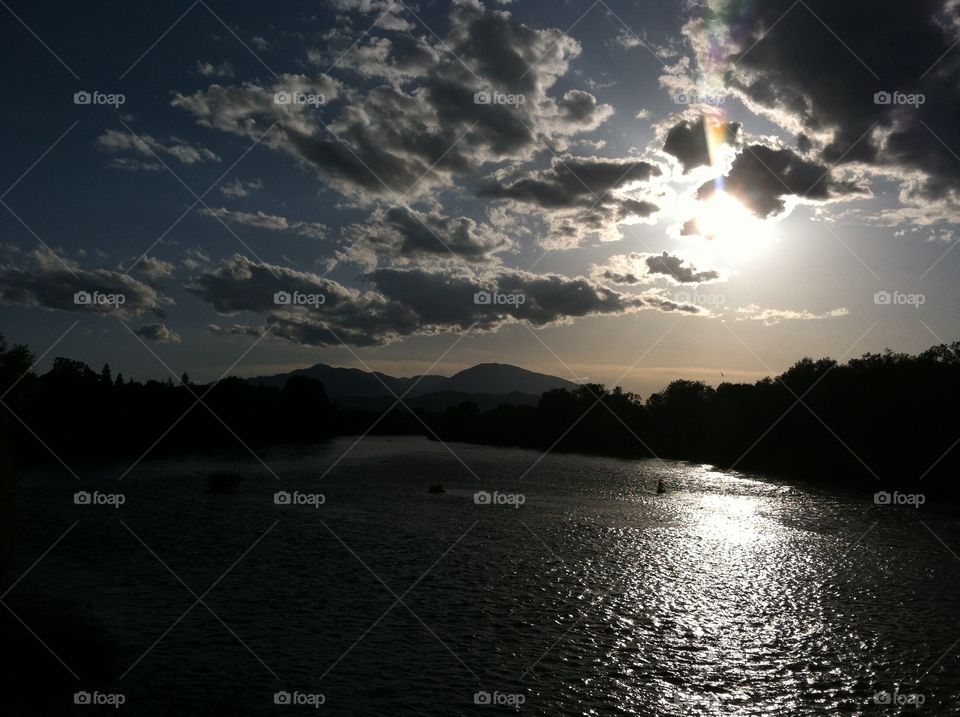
(730, 595)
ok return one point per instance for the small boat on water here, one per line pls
(661, 488)
(222, 481)
(436, 488)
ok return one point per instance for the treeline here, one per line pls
(890, 416)
(74, 413)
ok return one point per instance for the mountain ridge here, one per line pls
(353, 386)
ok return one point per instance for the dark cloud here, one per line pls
(158, 332)
(234, 330)
(407, 301)
(156, 269)
(261, 220)
(405, 234)
(580, 196)
(49, 282)
(145, 149)
(637, 268)
(761, 177)
(673, 266)
(445, 300)
(388, 14)
(418, 133)
(687, 140)
(815, 67)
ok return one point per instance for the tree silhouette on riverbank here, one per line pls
(888, 416)
(891, 417)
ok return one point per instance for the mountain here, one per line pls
(503, 378)
(487, 384)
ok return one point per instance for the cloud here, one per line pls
(637, 268)
(234, 330)
(158, 332)
(627, 40)
(273, 222)
(46, 281)
(148, 147)
(156, 269)
(238, 189)
(388, 13)
(208, 69)
(672, 266)
(761, 177)
(415, 137)
(195, 258)
(377, 57)
(445, 300)
(408, 301)
(687, 140)
(406, 235)
(771, 317)
(580, 196)
(788, 62)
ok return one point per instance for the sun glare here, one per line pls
(732, 232)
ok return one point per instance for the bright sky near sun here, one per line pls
(622, 192)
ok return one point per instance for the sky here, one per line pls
(617, 192)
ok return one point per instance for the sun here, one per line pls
(719, 217)
(733, 232)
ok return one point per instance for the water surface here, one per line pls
(730, 595)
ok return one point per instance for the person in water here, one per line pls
(661, 488)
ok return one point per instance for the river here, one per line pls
(567, 587)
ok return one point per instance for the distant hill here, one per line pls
(487, 384)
